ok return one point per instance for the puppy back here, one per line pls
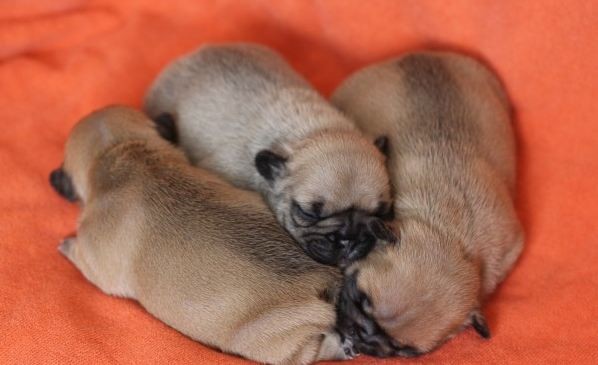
(250, 68)
(198, 201)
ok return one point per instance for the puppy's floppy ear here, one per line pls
(383, 145)
(269, 164)
(478, 322)
(381, 231)
(166, 127)
(63, 184)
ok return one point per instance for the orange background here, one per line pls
(61, 59)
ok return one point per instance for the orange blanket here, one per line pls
(61, 59)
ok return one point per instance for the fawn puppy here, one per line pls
(208, 259)
(452, 163)
(242, 112)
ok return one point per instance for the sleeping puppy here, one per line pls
(452, 162)
(208, 259)
(242, 112)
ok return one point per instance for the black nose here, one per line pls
(353, 250)
(354, 238)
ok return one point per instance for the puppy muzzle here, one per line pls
(357, 235)
(354, 323)
(338, 252)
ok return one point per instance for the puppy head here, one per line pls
(331, 192)
(92, 135)
(408, 301)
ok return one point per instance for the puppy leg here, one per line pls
(70, 247)
(335, 348)
(66, 248)
(78, 251)
(512, 253)
(318, 347)
(299, 334)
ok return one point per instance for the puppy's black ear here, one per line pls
(63, 184)
(383, 145)
(269, 164)
(166, 127)
(381, 231)
(478, 322)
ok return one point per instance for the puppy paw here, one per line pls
(66, 246)
(335, 347)
(348, 348)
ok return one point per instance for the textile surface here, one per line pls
(61, 59)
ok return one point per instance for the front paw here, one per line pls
(348, 348)
(334, 347)
(66, 246)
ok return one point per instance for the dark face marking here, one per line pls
(383, 145)
(316, 208)
(381, 231)
(63, 184)
(322, 250)
(269, 164)
(302, 217)
(338, 239)
(355, 322)
(385, 211)
(339, 244)
(166, 127)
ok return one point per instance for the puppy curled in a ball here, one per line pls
(208, 259)
(241, 111)
(452, 161)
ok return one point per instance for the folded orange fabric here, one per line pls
(61, 59)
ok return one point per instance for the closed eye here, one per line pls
(297, 210)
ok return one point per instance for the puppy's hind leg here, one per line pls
(333, 347)
(319, 347)
(73, 249)
(70, 247)
(298, 334)
(67, 248)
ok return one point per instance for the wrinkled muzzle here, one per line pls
(355, 324)
(354, 238)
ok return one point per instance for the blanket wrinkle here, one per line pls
(48, 33)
